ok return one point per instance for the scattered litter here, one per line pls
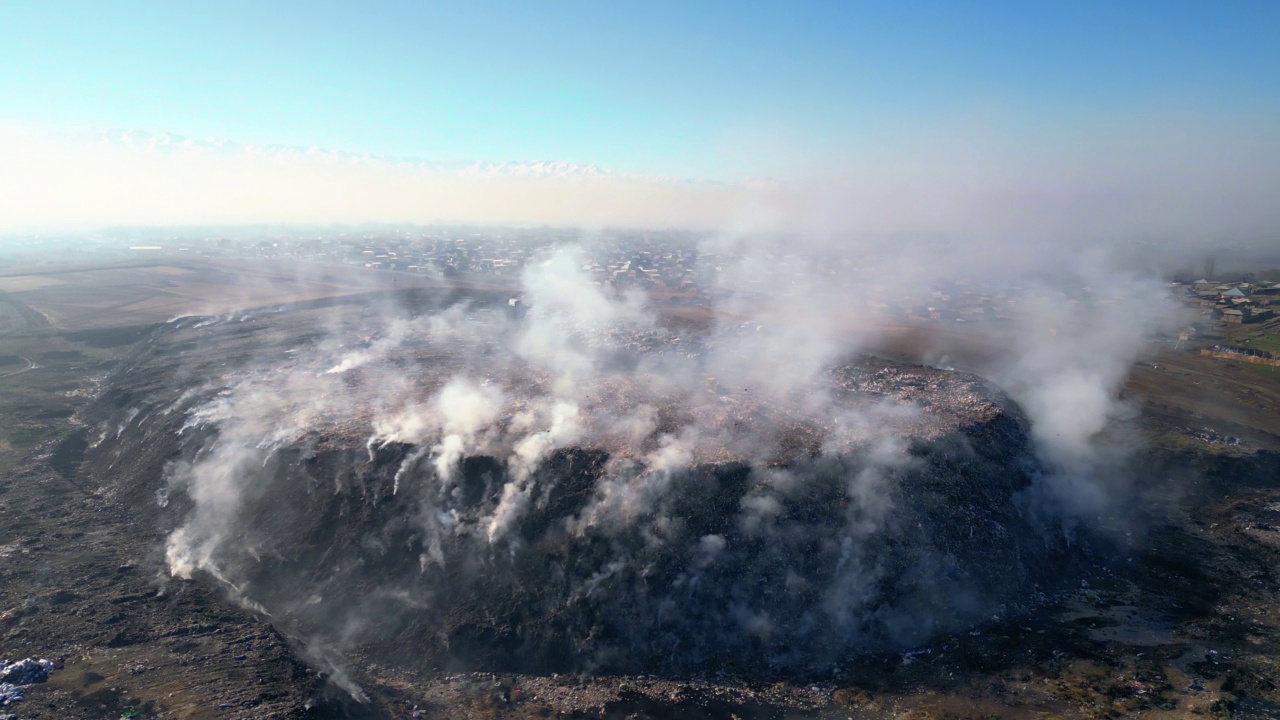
(910, 657)
(25, 672)
(10, 694)
(1213, 437)
(13, 676)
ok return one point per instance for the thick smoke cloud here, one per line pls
(747, 459)
(1066, 369)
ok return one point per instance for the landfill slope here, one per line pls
(1174, 616)
(833, 545)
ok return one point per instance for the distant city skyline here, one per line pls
(1000, 117)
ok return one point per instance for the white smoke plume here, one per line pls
(526, 455)
(478, 413)
(465, 409)
(1066, 366)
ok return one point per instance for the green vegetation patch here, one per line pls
(1270, 372)
(1270, 341)
(23, 439)
(1257, 337)
(115, 337)
(1182, 442)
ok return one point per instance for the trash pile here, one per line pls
(680, 519)
(13, 676)
(1213, 437)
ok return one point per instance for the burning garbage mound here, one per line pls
(444, 505)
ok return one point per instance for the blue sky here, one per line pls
(683, 88)
(959, 106)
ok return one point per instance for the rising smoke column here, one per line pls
(558, 383)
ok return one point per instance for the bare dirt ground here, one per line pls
(1181, 620)
(80, 297)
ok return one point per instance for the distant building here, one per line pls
(1246, 315)
(1253, 315)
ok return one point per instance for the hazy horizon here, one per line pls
(1098, 121)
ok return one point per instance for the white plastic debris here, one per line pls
(10, 694)
(13, 676)
(26, 672)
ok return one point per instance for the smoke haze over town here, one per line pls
(677, 361)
